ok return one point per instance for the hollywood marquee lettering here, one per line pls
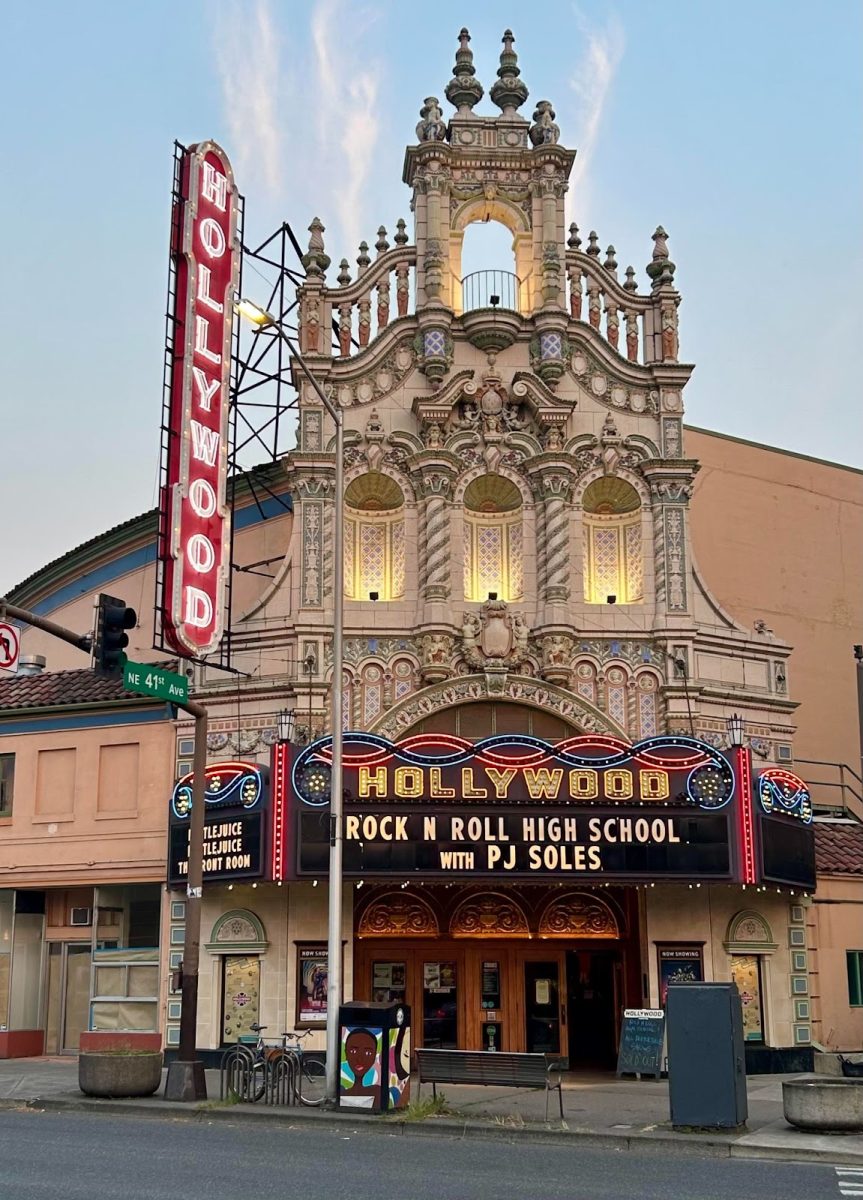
(194, 515)
(495, 783)
(436, 805)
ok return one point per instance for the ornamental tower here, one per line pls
(517, 486)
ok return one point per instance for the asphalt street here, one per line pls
(79, 1156)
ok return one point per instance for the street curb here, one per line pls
(700, 1145)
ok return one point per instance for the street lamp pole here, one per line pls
(263, 319)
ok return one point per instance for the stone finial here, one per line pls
(464, 90)
(363, 259)
(432, 126)
(593, 244)
(401, 236)
(544, 132)
(660, 268)
(610, 263)
(573, 241)
(509, 92)
(344, 275)
(630, 285)
(316, 260)
(382, 245)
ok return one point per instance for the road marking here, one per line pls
(849, 1170)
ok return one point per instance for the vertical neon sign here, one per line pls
(195, 515)
(281, 766)
(746, 818)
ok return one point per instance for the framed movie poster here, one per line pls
(312, 984)
(679, 964)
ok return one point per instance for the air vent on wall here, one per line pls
(81, 916)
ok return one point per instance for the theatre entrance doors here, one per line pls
(537, 984)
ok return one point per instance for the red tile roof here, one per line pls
(54, 688)
(839, 847)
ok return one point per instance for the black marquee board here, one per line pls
(642, 1036)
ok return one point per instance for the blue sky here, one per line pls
(735, 125)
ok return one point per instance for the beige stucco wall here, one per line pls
(94, 830)
(289, 914)
(703, 914)
(780, 537)
(834, 925)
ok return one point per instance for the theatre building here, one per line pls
(571, 750)
(526, 628)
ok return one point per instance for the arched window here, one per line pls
(615, 695)
(374, 538)
(613, 561)
(585, 681)
(492, 539)
(647, 715)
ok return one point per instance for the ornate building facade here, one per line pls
(518, 561)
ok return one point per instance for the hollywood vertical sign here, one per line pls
(195, 520)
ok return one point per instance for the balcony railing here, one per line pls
(490, 289)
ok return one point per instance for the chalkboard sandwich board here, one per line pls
(641, 1040)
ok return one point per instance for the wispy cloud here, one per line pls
(591, 84)
(252, 79)
(346, 110)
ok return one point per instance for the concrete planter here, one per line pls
(107, 1074)
(824, 1103)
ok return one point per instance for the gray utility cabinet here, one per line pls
(706, 1062)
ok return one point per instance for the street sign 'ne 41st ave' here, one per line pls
(139, 677)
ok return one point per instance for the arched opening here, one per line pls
(493, 562)
(490, 257)
(488, 275)
(613, 558)
(374, 538)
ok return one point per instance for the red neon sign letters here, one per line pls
(195, 516)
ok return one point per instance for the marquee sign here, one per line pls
(513, 806)
(589, 769)
(235, 823)
(195, 519)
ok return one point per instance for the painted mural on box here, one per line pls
(360, 1077)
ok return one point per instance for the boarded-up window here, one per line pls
(55, 784)
(118, 780)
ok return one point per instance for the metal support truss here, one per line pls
(261, 393)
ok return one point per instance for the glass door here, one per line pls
(440, 1006)
(746, 973)
(542, 1007)
(68, 996)
(240, 996)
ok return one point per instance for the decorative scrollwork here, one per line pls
(398, 915)
(488, 915)
(578, 914)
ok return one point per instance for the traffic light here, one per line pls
(113, 618)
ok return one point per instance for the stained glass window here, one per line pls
(375, 557)
(493, 557)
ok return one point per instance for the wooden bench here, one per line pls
(491, 1068)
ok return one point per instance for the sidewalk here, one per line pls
(619, 1113)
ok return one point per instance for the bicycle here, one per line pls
(310, 1086)
(287, 1070)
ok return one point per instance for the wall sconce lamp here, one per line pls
(285, 725)
(734, 724)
